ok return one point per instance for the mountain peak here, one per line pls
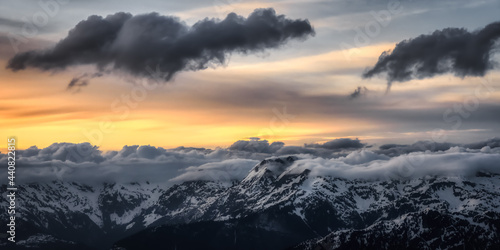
(269, 169)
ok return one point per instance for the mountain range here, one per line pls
(271, 208)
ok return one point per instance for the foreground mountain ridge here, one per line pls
(286, 210)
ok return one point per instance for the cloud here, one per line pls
(31, 151)
(156, 46)
(451, 50)
(81, 81)
(77, 82)
(358, 92)
(149, 152)
(420, 146)
(414, 165)
(393, 150)
(224, 171)
(290, 150)
(363, 156)
(255, 145)
(339, 144)
(491, 143)
(77, 153)
(85, 163)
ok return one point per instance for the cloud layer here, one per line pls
(451, 50)
(339, 144)
(152, 45)
(224, 171)
(414, 165)
(346, 158)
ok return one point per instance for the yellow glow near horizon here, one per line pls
(37, 109)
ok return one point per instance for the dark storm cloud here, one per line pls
(339, 144)
(151, 43)
(451, 50)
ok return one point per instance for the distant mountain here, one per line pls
(269, 209)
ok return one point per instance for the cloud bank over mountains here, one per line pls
(344, 157)
(156, 46)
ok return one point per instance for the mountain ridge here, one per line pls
(269, 198)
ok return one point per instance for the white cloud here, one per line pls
(363, 156)
(413, 165)
(224, 171)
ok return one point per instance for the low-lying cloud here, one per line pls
(343, 157)
(451, 50)
(224, 171)
(157, 46)
(414, 165)
(420, 146)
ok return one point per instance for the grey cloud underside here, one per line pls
(143, 44)
(451, 50)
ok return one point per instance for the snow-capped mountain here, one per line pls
(91, 215)
(271, 208)
(423, 213)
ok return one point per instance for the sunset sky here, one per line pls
(302, 91)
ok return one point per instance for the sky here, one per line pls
(305, 72)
